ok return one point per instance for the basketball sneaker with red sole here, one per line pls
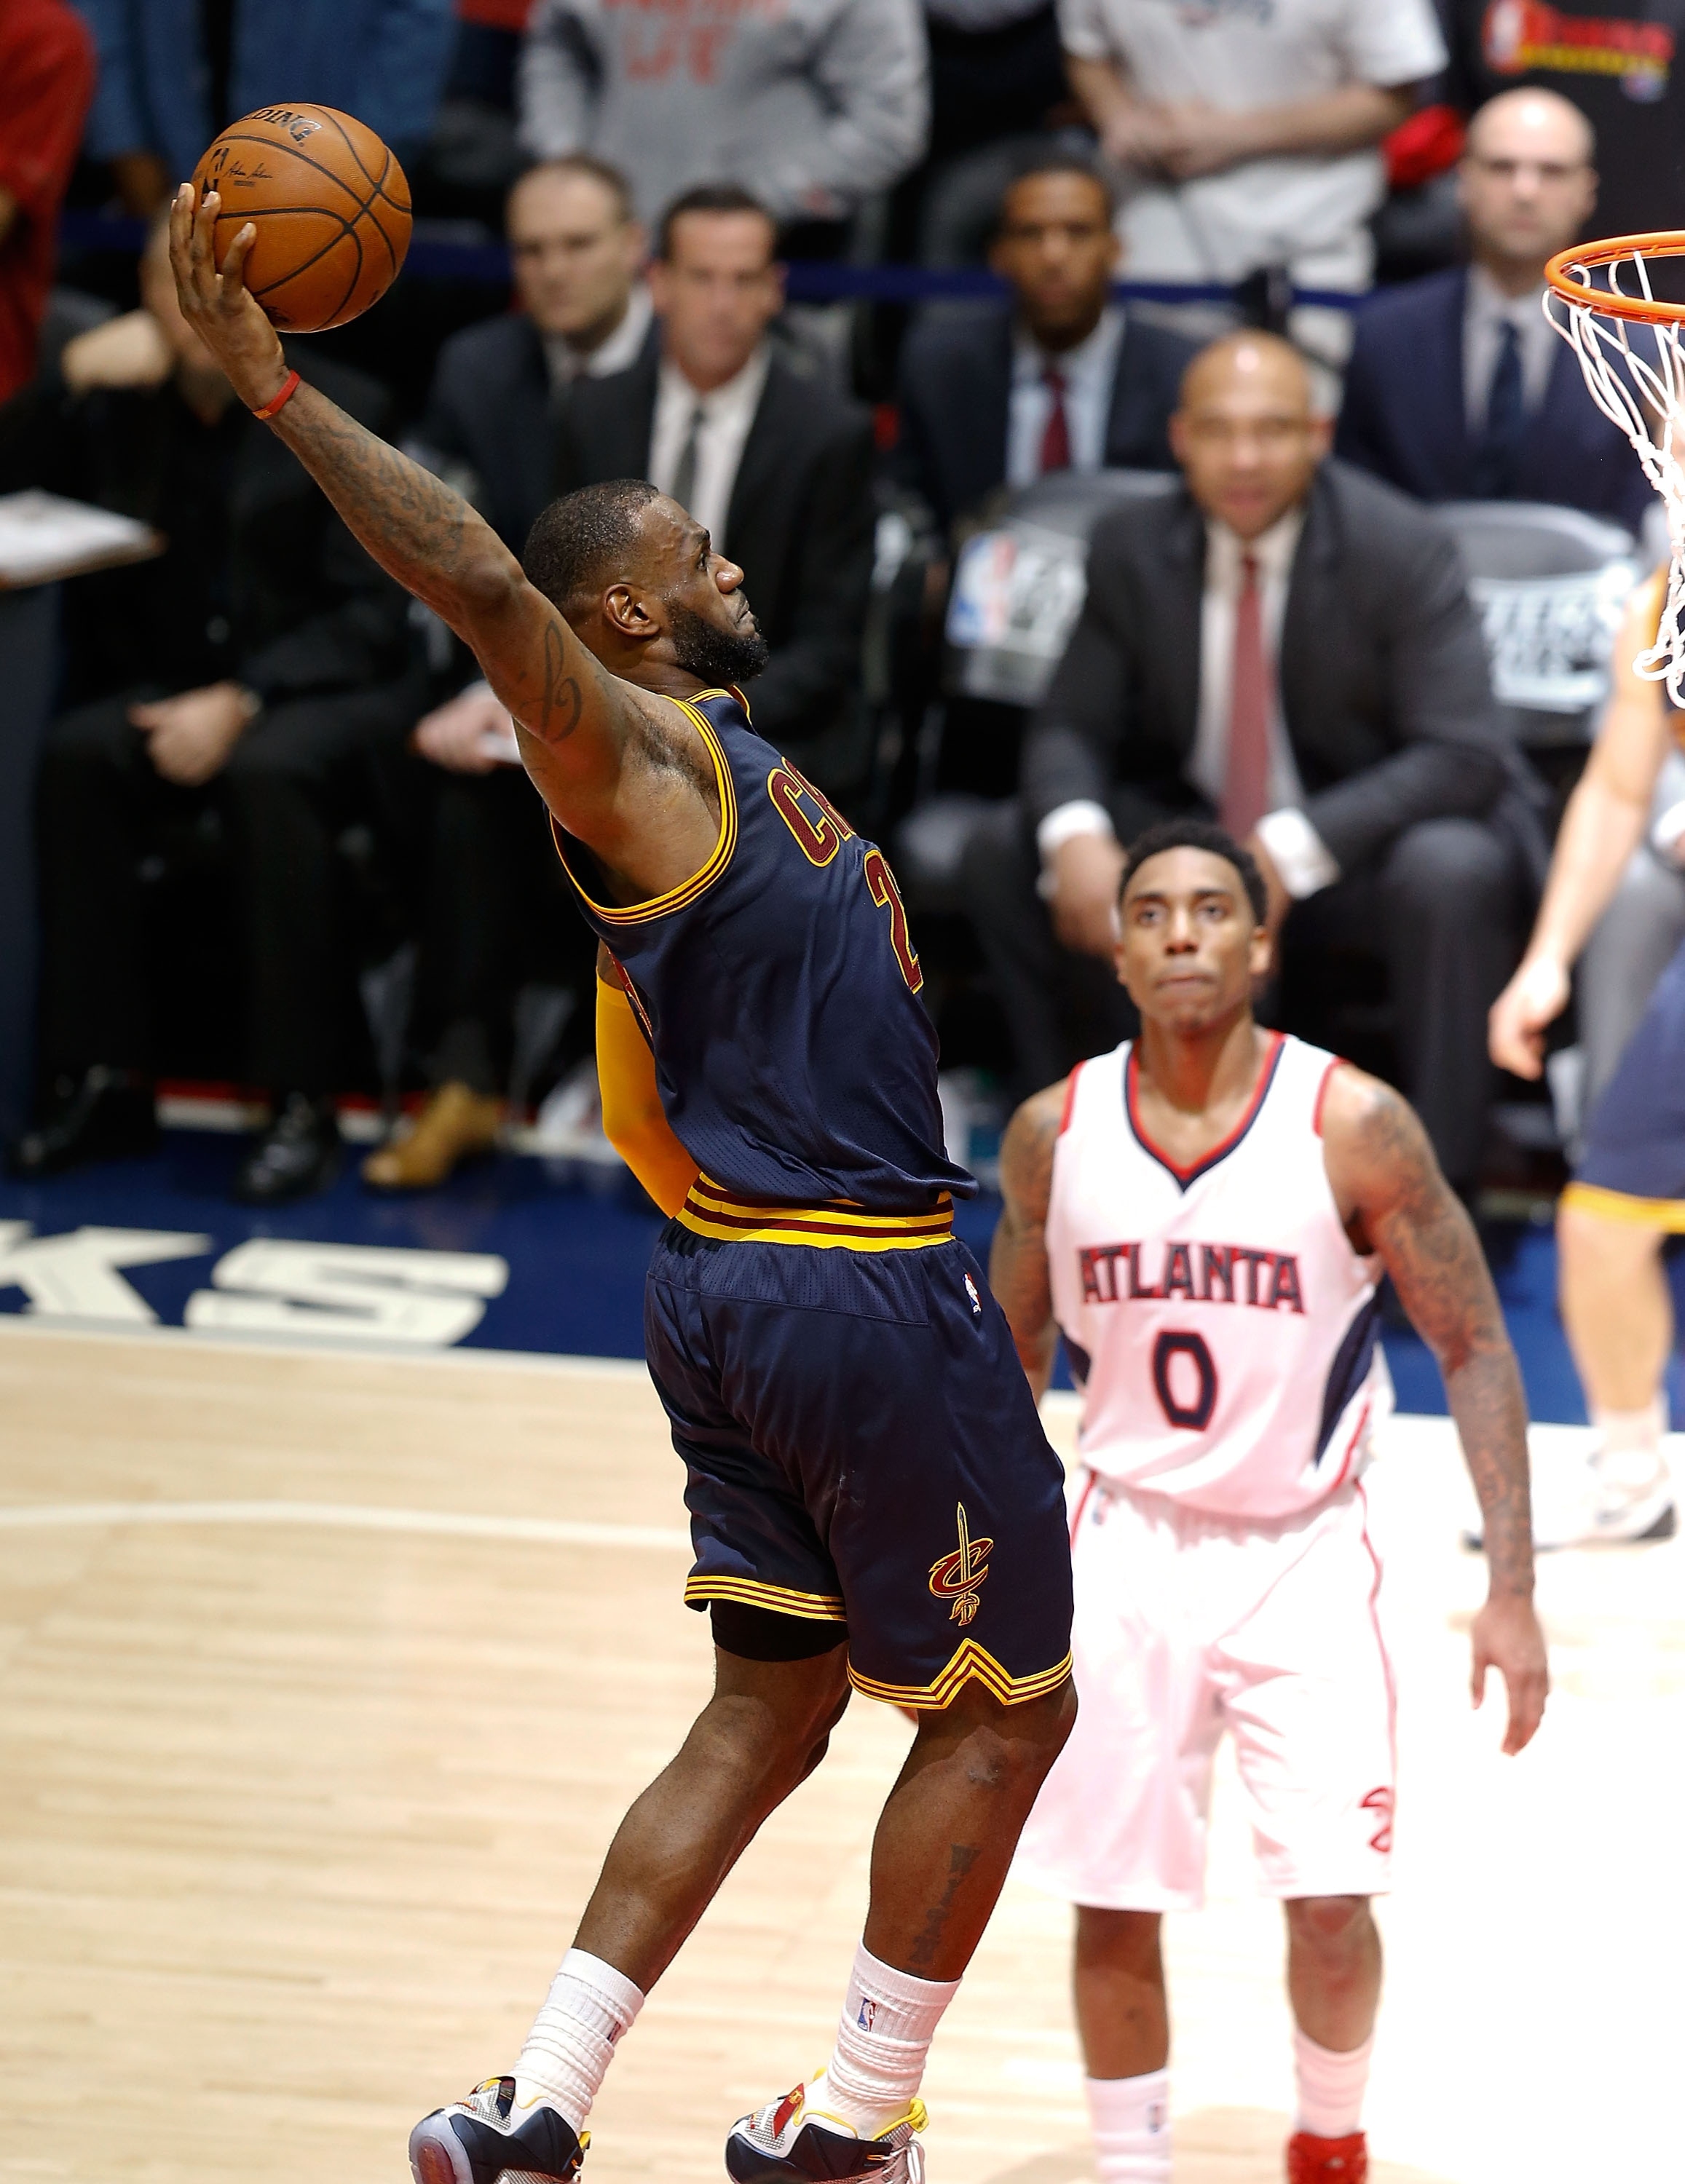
(796, 2141)
(1312, 2161)
(487, 2136)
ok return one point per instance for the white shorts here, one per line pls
(1186, 1625)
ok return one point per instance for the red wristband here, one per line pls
(289, 387)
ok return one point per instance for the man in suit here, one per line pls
(1288, 645)
(1457, 389)
(1060, 378)
(494, 917)
(251, 679)
(776, 467)
(583, 311)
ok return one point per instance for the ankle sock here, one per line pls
(572, 2040)
(889, 2019)
(1130, 2119)
(1330, 2086)
(1629, 1442)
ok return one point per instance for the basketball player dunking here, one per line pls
(1205, 1215)
(872, 1499)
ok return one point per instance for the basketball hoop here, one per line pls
(1645, 396)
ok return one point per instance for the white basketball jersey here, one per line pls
(1219, 1325)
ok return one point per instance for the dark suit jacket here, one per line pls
(273, 592)
(491, 409)
(801, 525)
(955, 389)
(1405, 417)
(1383, 669)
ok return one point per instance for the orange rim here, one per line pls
(1563, 269)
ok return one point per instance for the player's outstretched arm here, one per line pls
(1602, 826)
(1017, 1258)
(577, 716)
(1398, 1203)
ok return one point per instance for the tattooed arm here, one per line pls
(1018, 1258)
(576, 719)
(1396, 1202)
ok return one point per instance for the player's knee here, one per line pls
(1008, 1748)
(1444, 868)
(1336, 1929)
(1589, 1243)
(1118, 1941)
(773, 1720)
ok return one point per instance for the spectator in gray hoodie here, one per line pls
(812, 106)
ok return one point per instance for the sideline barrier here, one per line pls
(443, 256)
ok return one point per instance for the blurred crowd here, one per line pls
(1150, 495)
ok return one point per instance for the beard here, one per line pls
(716, 655)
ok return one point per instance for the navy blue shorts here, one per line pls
(863, 1450)
(1633, 1165)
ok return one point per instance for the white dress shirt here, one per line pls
(1296, 851)
(1088, 371)
(727, 413)
(618, 352)
(1484, 315)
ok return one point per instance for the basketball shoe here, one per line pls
(485, 2138)
(796, 2141)
(1312, 2161)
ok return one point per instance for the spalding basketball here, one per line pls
(330, 205)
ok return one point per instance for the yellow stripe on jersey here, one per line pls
(836, 1224)
(969, 1660)
(1666, 1214)
(679, 898)
(751, 1592)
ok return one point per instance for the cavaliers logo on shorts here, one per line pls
(955, 1577)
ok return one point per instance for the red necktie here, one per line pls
(1246, 772)
(1056, 433)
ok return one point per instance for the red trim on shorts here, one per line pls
(1070, 1098)
(1380, 1639)
(1351, 1447)
(1185, 1176)
(1082, 1502)
(1322, 1093)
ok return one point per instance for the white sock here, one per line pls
(1330, 2086)
(572, 2040)
(1130, 2119)
(1629, 1442)
(889, 2019)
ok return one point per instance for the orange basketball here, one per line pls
(330, 204)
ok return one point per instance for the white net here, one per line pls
(1635, 369)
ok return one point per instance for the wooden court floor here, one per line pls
(324, 1679)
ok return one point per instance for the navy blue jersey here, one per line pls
(779, 990)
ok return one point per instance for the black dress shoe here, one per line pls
(104, 1114)
(297, 1153)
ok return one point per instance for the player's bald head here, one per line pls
(1248, 362)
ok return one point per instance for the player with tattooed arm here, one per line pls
(874, 1504)
(1205, 1215)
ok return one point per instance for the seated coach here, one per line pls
(1286, 645)
(1061, 378)
(1457, 389)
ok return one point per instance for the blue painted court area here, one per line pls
(515, 1253)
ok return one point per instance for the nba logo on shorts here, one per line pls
(976, 1300)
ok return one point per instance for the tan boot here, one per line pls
(454, 1124)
